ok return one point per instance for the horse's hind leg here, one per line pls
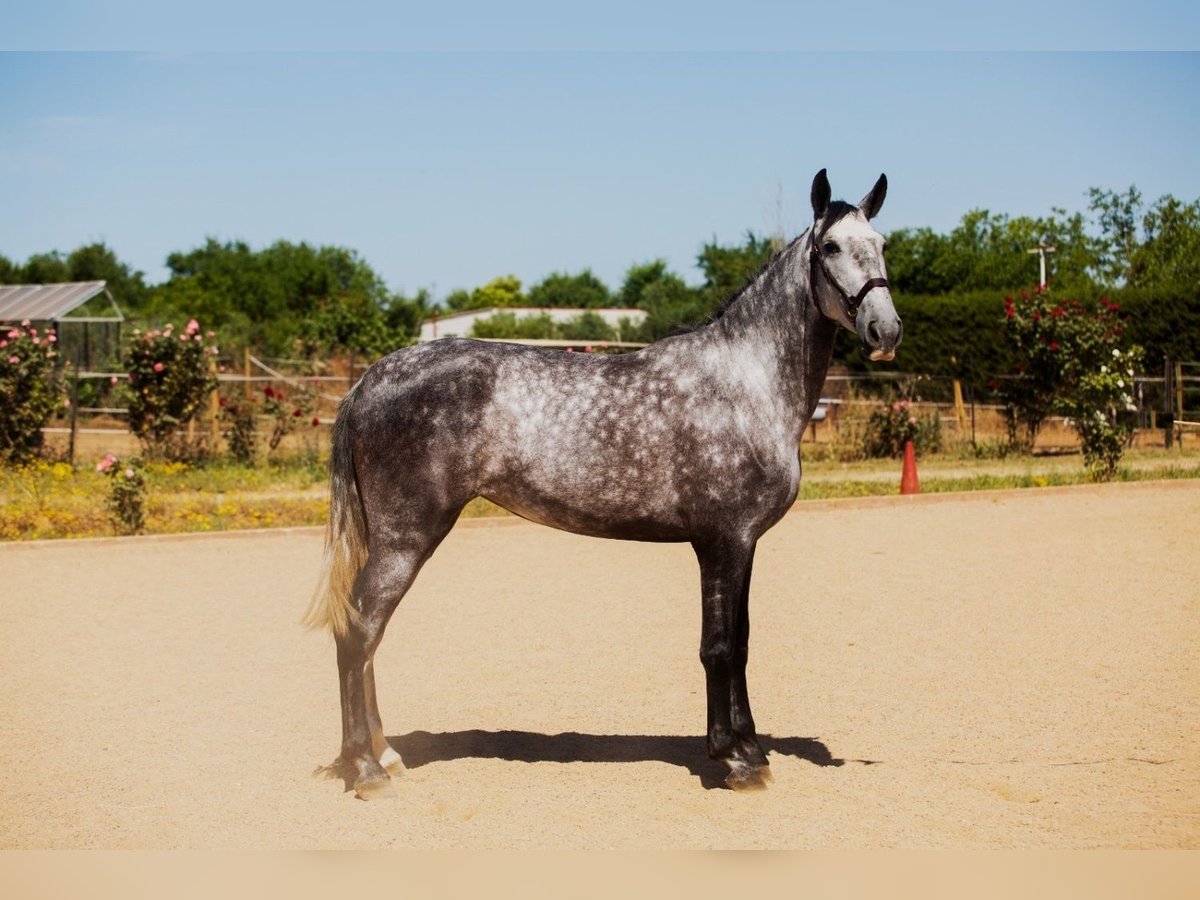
(392, 564)
(384, 752)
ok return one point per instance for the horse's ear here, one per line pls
(873, 202)
(820, 195)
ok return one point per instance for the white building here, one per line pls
(459, 324)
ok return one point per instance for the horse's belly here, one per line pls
(596, 514)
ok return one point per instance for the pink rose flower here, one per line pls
(129, 473)
(192, 326)
(107, 463)
(14, 359)
(158, 367)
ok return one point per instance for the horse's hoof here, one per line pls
(375, 789)
(748, 778)
(391, 762)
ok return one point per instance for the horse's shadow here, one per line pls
(419, 748)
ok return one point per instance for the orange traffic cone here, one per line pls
(908, 476)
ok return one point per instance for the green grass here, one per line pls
(52, 500)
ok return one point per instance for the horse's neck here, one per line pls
(777, 319)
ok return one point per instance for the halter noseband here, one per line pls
(815, 259)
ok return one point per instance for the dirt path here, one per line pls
(984, 670)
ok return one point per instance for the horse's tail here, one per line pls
(345, 535)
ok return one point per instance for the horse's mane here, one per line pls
(838, 210)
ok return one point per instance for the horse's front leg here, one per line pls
(724, 583)
(740, 716)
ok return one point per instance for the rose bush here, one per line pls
(1073, 361)
(169, 378)
(288, 414)
(126, 499)
(892, 425)
(29, 388)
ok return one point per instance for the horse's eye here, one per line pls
(885, 246)
(831, 248)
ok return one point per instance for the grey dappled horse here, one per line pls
(694, 438)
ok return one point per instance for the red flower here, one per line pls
(315, 421)
(1036, 316)
(1054, 345)
(268, 393)
(296, 413)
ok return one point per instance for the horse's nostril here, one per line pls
(873, 331)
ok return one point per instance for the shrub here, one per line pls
(169, 378)
(893, 425)
(288, 415)
(1075, 361)
(29, 389)
(239, 418)
(126, 494)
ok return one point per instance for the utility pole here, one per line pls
(1041, 250)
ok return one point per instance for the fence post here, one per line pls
(1168, 417)
(1180, 412)
(74, 395)
(214, 406)
(246, 372)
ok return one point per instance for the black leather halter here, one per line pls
(816, 259)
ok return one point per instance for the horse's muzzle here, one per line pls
(879, 328)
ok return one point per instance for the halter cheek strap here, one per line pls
(817, 260)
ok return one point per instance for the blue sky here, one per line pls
(445, 169)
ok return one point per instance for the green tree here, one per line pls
(9, 271)
(1117, 215)
(502, 291)
(1170, 251)
(403, 316)
(728, 269)
(988, 251)
(98, 262)
(582, 291)
(267, 297)
(587, 326)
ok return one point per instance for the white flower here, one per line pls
(1103, 369)
(1116, 353)
(1121, 382)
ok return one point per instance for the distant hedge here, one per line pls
(960, 335)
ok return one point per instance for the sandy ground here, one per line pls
(988, 670)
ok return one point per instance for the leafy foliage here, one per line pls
(587, 326)
(728, 269)
(238, 416)
(323, 298)
(126, 500)
(288, 414)
(169, 378)
(989, 251)
(892, 425)
(1144, 247)
(582, 291)
(29, 388)
(1073, 360)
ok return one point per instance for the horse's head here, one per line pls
(847, 274)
